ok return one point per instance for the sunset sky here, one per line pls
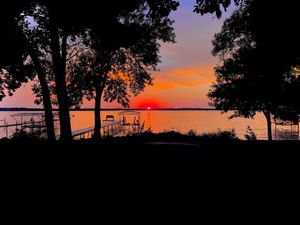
(185, 73)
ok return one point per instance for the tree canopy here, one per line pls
(214, 6)
(48, 29)
(248, 81)
(13, 51)
(116, 70)
(271, 26)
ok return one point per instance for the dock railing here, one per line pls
(109, 128)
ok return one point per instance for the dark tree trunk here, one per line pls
(100, 82)
(269, 124)
(44, 86)
(59, 62)
(97, 113)
(46, 101)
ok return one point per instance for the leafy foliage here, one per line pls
(220, 135)
(123, 68)
(254, 76)
(250, 135)
(244, 83)
(14, 67)
(31, 135)
(214, 6)
(192, 133)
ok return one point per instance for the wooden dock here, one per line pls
(112, 127)
(128, 123)
(109, 128)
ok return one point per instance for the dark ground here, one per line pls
(138, 150)
(164, 152)
(150, 167)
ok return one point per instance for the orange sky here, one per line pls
(183, 87)
(187, 66)
(185, 73)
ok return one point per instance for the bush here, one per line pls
(192, 133)
(226, 135)
(250, 135)
(33, 134)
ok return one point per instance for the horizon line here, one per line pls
(110, 109)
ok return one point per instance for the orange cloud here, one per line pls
(184, 87)
(185, 77)
(180, 97)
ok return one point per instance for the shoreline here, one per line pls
(109, 109)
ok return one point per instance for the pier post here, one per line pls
(6, 128)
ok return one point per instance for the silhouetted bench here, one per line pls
(109, 118)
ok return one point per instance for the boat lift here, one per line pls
(25, 121)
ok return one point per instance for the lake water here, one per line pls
(181, 121)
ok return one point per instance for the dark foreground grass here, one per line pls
(222, 147)
(163, 167)
(150, 159)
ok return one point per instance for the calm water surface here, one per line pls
(181, 121)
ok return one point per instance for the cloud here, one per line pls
(184, 77)
(181, 97)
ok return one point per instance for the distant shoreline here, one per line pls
(109, 109)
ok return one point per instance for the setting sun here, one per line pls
(148, 104)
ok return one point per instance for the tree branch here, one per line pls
(73, 45)
(72, 54)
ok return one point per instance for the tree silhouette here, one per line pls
(116, 79)
(271, 25)
(104, 19)
(214, 6)
(20, 57)
(246, 82)
(57, 26)
(115, 70)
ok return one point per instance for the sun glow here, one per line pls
(148, 104)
